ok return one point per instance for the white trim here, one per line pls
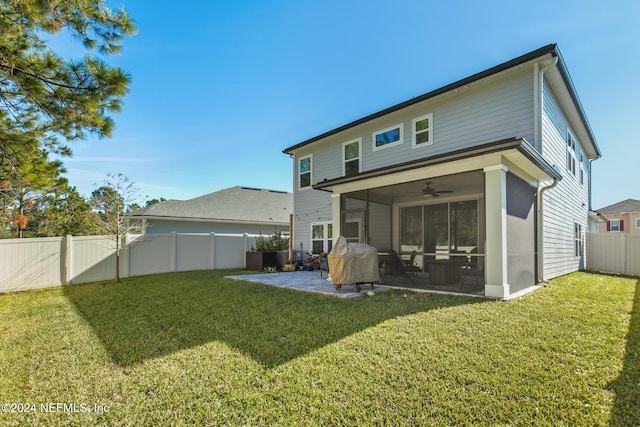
(359, 158)
(611, 221)
(393, 144)
(414, 143)
(325, 237)
(310, 157)
(637, 223)
(359, 222)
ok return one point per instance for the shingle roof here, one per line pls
(244, 204)
(629, 205)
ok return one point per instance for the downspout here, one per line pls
(538, 120)
(540, 232)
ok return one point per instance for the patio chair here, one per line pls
(471, 271)
(400, 268)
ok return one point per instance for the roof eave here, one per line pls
(519, 144)
(545, 50)
(566, 77)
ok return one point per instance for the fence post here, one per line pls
(245, 237)
(212, 250)
(125, 246)
(174, 251)
(623, 253)
(68, 254)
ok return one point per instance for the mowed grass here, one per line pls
(198, 349)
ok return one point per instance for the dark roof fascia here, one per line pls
(564, 72)
(519, 144)
(549, 49)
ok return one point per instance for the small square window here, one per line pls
(387, 137)
(422, 131)
(614, 225)
(638, 223)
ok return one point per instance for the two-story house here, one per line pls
(492, 170)
(623, 217)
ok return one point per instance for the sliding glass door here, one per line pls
(441, 231)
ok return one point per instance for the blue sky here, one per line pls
(219, 89)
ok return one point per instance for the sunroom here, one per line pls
(464, 222)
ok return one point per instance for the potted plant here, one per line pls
(290, 265)
(264, 253)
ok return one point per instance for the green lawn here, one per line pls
(196, 348)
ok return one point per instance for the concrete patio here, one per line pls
(309, 281)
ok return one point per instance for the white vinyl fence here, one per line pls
(42, 262)
(613, 253)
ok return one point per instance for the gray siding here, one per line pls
(565, 204)
(498, 109)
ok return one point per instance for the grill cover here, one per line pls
(351, 263)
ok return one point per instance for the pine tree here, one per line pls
(47, 100)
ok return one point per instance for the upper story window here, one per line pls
(387, 137)
(422, 131)
(615, 225)
(638, 223)
(304, 172)
(571, 153)
(351, 157)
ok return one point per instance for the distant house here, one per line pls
(232, 210)
(492, 170)
(624, 217)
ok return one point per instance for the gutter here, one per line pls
(538, 136)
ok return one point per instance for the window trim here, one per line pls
(325, 239)
(359, 158)
(637, 223)
(617, 222)
(571, 153)
(578, 238)
(300, 159)
(414, 134)
(400, 140)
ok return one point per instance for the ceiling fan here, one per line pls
(428, 190)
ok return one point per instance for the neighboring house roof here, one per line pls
(235, 204)
(551, 50)
(625, 206)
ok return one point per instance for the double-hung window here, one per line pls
(422, 131)
(571, 153)
(321, 237)
(615, 225)
(351, 157)
(577, 234)
(388, 137)
(305, 172)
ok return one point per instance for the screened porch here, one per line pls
(429, 233)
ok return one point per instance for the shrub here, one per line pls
(271, 243)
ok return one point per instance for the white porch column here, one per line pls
(495, 178)
(335, 215)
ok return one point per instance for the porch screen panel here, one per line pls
(436, 231)
(464, 226)
(411, 229)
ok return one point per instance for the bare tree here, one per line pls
(112, 201)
